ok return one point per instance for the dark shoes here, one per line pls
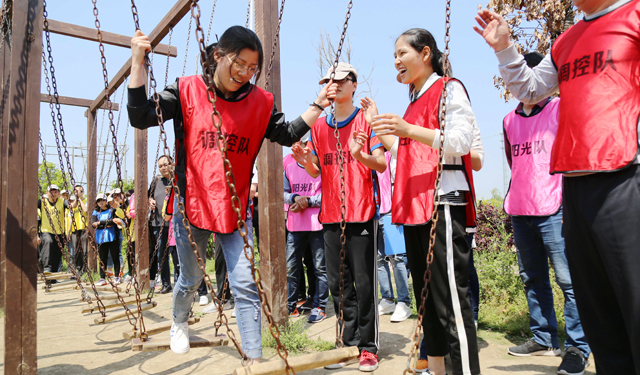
(532, 348)
(166, 289)
(573, 363)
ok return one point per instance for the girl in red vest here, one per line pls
(363, 154)
(448, 321)
(248, 116)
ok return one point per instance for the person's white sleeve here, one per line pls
(254, 178)
(394, 148)
(458, 132)
(477, 143)
(527, 85)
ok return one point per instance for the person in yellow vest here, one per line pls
(78, 240)
(51, 226)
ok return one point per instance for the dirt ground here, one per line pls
(70, 343)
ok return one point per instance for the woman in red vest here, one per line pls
(448, 321)
(248, 116)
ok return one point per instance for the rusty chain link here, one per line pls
(213, 10)
(424, 294)
(116, 156)
(343, 209)
(235, 201)
(274, 46)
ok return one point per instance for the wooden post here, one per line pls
(5, 68)
(142, 208)
(20, 149)
(92, 165)
(273, 260)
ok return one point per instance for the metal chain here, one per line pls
(276, 38)
(248, 14)
(213, 9)
(424, 294)
(343, 209)
(235, 201)
(186, 51)
(105, 75)
(6, 23)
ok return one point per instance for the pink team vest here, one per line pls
(533, 190)
(384, 182)
(286, 161)
(303, 184)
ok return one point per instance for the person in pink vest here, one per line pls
(534, 201)
(594, 65)
(303, 194)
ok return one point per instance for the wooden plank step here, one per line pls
(122, 314)
(64, 287)
(157, 343)
(47, 273)
(64, 283)
(300, 363)
(156, 328)
(106, 288)
(104, 296)
(111, 304)
(57, 277)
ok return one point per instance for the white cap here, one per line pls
(342, 71)
(72, 198)
(64, 191)
(99, 197)
(109, 199)
(53, 187)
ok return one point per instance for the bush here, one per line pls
(294, 337)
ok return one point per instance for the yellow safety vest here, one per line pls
(56, 212)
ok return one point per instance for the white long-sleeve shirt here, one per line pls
(458, 133)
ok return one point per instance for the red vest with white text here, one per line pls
(244, 123)
(303, 184)
(359, 200)
(533, 191)
(598, 65)
(416, 168)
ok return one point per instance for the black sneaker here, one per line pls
(532, 348)
(573, 362)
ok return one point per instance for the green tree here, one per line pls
(48, 170)
(128, 184)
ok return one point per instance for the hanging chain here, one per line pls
(424, 294)
(186, 51)
(213, 9)
(116, 155)
(235, 201)
(276, 38)
(343, 209)
(6, 23)
(246, 24)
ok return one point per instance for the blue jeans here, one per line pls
(539, 239)
(296, 245)
(400, 272)
(242, 285)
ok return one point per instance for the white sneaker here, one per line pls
(211, 308)
(180, 338)
(386, 307)
(127, 278)
(233, 313)
(116, 280)
(401, 313)
(204, 300)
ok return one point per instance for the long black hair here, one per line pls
(232, 41)
(418, 39)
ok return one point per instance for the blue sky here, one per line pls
(373, 28)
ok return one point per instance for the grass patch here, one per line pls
(294, 337)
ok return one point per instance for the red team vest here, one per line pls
(598, 65)
(359, 200)
(417, 166)
(244, 123)
(533, 191)
(303, 184)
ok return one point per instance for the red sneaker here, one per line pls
(294, 314)
(368, 361)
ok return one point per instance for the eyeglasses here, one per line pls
(242, 67)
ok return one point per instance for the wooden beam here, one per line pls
(5, 67)
(273, 260)
(142, 207)
(300, 363)
(21, 152)
(172, 18)
(91, 34)
(92, 166)
(123, 313)
(162, 343)
(76, 102)
(107, 305)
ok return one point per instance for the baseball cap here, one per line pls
(53, 187)
(64, 191)
(72, 198)
(109, 199)
(342, 71)
(99, 197)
